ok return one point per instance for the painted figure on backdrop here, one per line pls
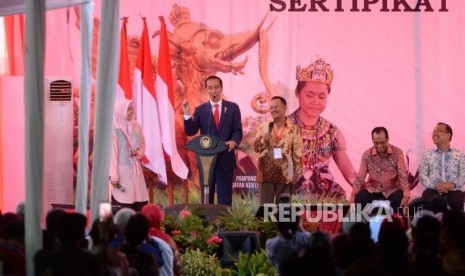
(219, 118)
(322, 140)
(198, 51)
(385, 165)
(128, 187)
(442, 170)
(279, 145)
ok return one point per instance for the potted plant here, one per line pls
(199, 263)
(254, 265)
(189, 231)
(240, 216)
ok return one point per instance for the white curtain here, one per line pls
(34, 106)
(86, 82)
(107, 74)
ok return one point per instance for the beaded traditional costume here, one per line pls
(320, 142)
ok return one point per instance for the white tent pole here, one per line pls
(34, 107)
(107, 75)
(84, 104)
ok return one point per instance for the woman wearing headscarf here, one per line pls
(155, 216)
(126, 175)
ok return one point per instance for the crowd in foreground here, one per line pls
(129, 243)
(430, 242)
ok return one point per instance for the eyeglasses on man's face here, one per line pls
(439, 131)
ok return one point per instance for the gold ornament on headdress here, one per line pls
(317, 71)
(179, 15)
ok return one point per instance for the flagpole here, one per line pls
(171, 194)
(186, 191)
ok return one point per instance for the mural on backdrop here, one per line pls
(214, 52)
(388, 69)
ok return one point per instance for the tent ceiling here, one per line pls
(9, 7)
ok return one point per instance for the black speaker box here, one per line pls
(235, 242)
(260, 212)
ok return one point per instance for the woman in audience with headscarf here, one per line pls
(155, 216)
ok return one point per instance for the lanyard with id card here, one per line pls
(277, 152)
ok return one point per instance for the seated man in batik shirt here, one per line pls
(385, 165)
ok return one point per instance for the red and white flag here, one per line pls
(145, 105)
(14, 41)
(165, 100)
(124, 79)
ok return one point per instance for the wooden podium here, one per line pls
(206, 148)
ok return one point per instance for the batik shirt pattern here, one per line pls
(387, 172)
(437, 166)
(284, 170)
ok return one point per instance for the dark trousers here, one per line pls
(454, 198)
(222, 179)
(136, 206)
(270, 192)
(364, 197)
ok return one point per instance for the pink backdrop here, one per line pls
(402, 70)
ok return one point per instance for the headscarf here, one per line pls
(121, 122)
(155, 215)
(121, 115)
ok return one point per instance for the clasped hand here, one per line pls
(444, 187)
(267, 138)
